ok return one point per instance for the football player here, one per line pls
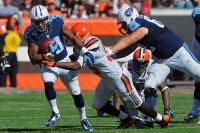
(193, 115)
(44, 26)
(138, 67)
(168, 49)
(112, 81)
(4, 64)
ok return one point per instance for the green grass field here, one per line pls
(26, 111)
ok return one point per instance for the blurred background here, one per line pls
(101, 15)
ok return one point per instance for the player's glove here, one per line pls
(48, 57)
(169, 113)
(49, 63)
(4, 65)
(52, 48)
(88, 58)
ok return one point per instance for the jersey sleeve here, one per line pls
(58, 19)
(27, 36)
(134, 25)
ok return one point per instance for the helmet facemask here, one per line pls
(41, 25)
(140, 66)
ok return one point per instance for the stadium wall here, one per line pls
(107, 30)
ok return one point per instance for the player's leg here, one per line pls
(130, 96)
(192, 116)
(49, 76)
(70, 80)
(188, 63)
(157, 73)
(102, 94)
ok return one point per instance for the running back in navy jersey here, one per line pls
(160, 40)
(54, 32)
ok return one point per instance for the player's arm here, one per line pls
(69, 35)
(34, 57)
(123, 53)
(88, 57)
(129, 40)
(166, 99)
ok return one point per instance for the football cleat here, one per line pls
(191, 118)
(143, 123)
(86, 125)
(169, 113)
(100, 113)
(52, 120)
(127, 122)
(165, 121)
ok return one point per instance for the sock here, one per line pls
(151, 101)
(122, 115)
(54, 106)
(158, 117)
(195, 106)
(82, 113)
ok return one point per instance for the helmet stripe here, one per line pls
(40, 10)
(141, 54)
(36, 12)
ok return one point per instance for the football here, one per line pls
(44, 46)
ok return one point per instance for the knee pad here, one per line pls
(78, 101)
(197, 91)
(150, 92)
(50, 91)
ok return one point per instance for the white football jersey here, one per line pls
(138, 78)
(104, 66)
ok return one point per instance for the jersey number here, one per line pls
(156, 22)
(60, 45)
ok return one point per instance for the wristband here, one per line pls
(83, 50)
(164, 88)
(109, 51)
(80, 61)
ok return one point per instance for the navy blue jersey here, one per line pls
(54, 32)
(160, 40)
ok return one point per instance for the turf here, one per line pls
(25, 111)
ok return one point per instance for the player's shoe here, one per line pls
(127, 122)
(169, 113)
(86, 125)
(165, 121)
(191, 118)
(52, 120)
(138, 122)
(100, 113)
(143, 123)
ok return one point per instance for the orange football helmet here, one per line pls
(141, 58)
(82, 31)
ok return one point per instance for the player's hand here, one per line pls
(52, 48)
(88, 58)
(4, 65)
(48, 57)
(49, 63)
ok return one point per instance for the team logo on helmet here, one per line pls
(129, 12)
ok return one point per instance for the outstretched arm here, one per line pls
(129, 40)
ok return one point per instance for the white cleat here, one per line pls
(52, 120)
